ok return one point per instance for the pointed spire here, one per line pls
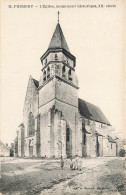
(58, 39)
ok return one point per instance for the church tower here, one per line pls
(58, 98)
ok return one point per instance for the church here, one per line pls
(56, 122)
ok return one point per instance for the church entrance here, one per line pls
(30, 148)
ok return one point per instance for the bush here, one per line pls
(122, 153)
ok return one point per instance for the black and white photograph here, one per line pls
(62, 102)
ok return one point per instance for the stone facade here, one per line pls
(55, 122)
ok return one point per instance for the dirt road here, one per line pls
(36, 176)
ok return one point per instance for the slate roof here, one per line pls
(36, 83)
(92, 112)
(58, 39)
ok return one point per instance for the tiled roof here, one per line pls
(58, 39)
(92, 112)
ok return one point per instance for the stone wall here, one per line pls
(47, 93)
(20, 141)
(30, 106)
(109, 148)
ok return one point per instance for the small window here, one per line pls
(63, 72)
(69, 75)
(111, 145)
(48, 72)
(69, 72)
(44, 75)
(68, 135)
(56, 57)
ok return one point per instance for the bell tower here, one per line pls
(59, 64)
(58, 87)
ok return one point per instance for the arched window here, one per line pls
(63, 71)
(67, 134)
(44, 75)
(31, 124)
(56, 57)
(69, 74)
(48, 72)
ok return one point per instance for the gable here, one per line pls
(31, 88)
(31, 98)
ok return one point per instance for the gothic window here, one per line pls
(69, 75)
(68, 135)
(63, 71)
(44, 75)
(48, 72)
(56, 57)
(31, 124)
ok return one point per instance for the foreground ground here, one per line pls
(98, 176)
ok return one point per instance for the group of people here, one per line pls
(75, 163)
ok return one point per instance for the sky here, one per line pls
(94, 36)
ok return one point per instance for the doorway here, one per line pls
(68, 143)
